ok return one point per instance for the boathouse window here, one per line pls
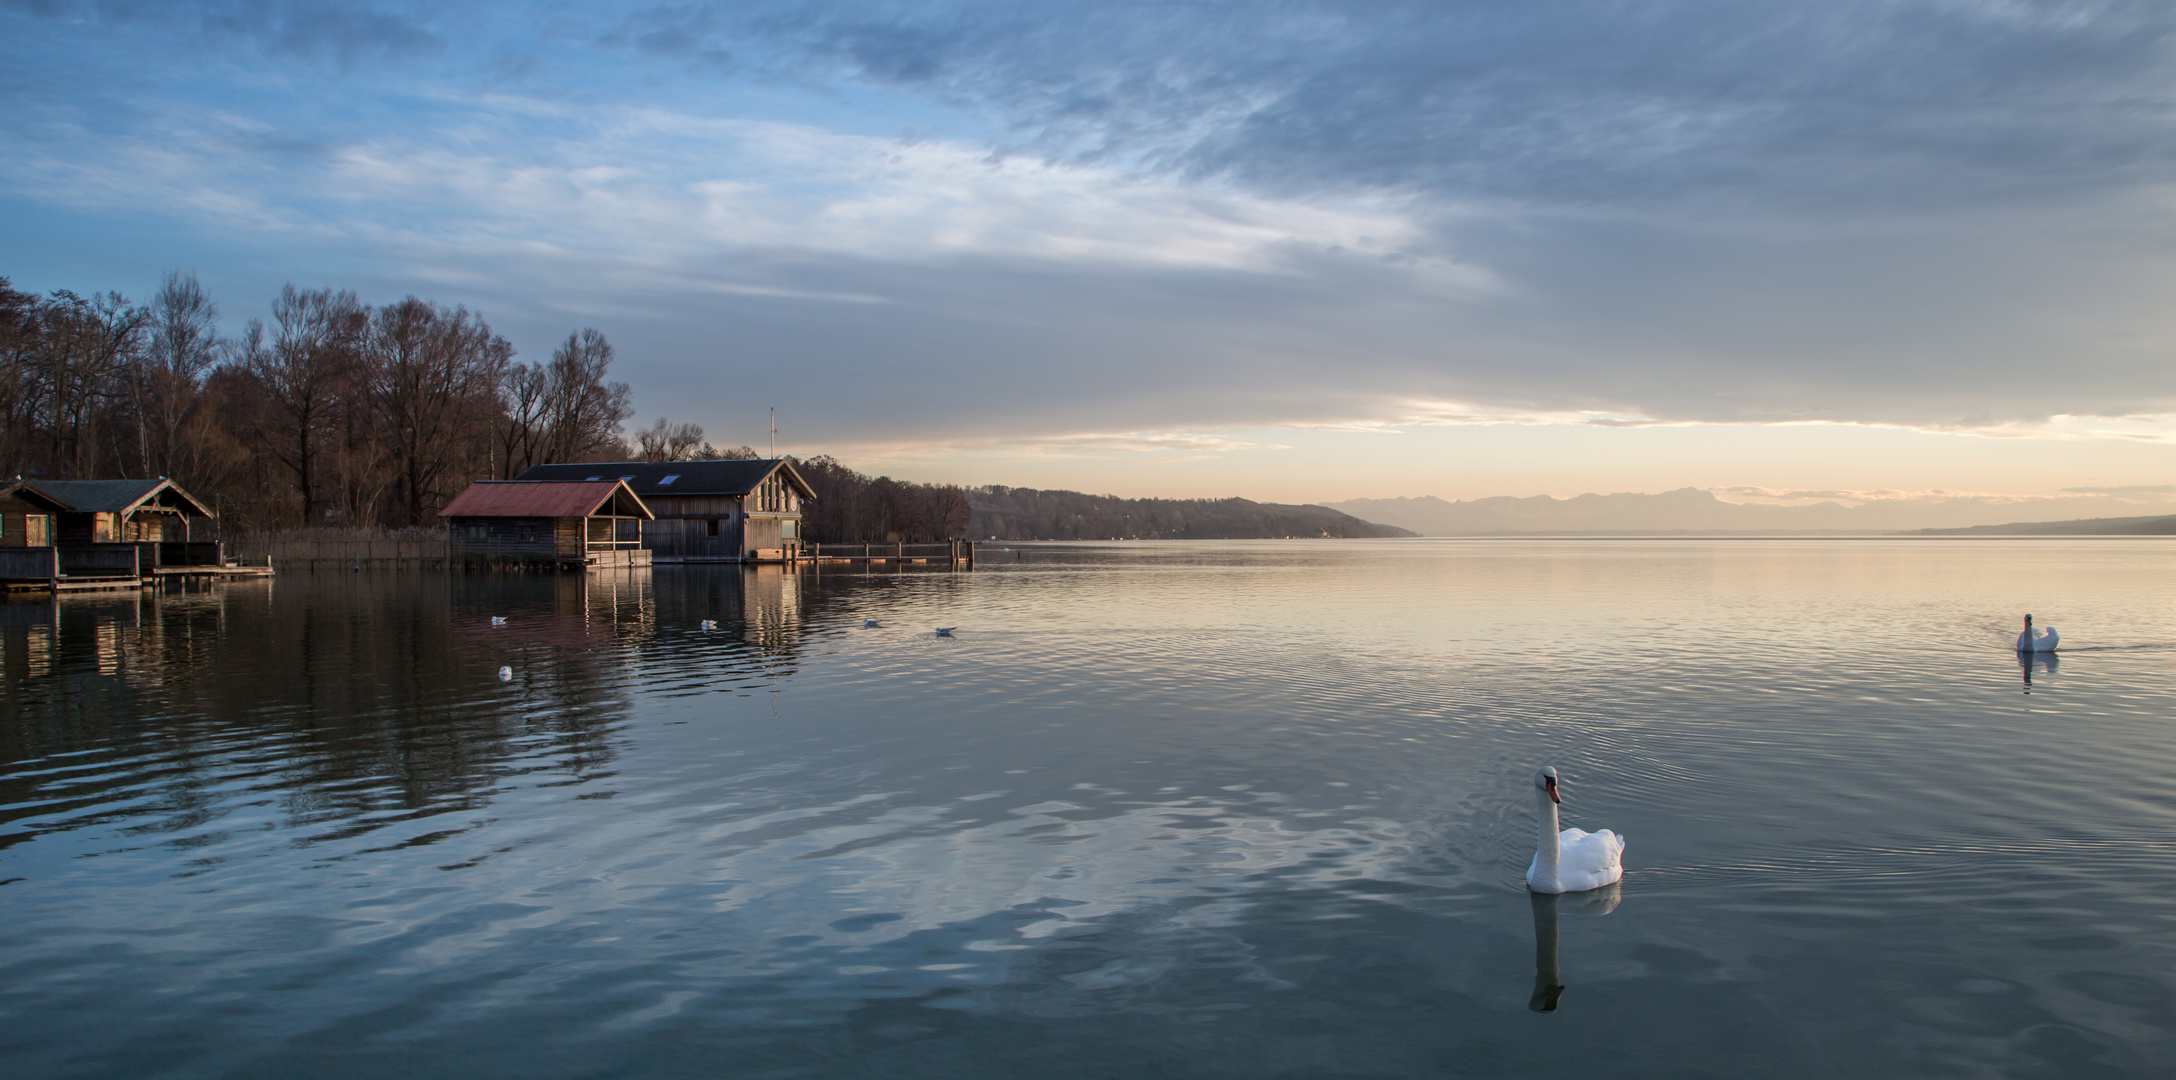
(713, 526)
(479, 532)
(528, 533)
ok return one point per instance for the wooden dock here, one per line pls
(959, 553)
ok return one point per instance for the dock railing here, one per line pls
(101, 560)
(29, 563)
(955, 552)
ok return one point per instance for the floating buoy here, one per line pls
(870, 624)
(710, 624)
(506, 674)
(946, 631)
(498, 620)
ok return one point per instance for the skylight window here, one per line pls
(668, 479)
(630, 476)
(596, 478)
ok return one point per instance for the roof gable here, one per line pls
(730, 476)
(32, 494)
(545, 499)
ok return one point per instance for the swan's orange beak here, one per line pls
(1550, 784)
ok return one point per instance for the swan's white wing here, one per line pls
(1589, 860)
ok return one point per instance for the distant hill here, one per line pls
(1693, 510)
(1010, 513)
(2123, 526)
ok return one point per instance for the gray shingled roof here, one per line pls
(113, 496)
(727, 477)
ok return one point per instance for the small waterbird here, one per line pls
(946, 631)
(710, 624)
(2040, 640)
(1574, 860)
(498, 620)
(871, 624)
(506, 674)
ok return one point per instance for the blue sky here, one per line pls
(1295, 251)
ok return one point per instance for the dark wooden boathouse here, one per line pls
(545, 523)
(734, 510)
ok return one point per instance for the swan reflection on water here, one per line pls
(1548, 978)
(2045, 661)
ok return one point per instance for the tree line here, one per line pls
(1010, 513)
(330, 413)
(852, 507)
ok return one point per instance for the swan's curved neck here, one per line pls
(1545, 847)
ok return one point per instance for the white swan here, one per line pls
(946, 631)
(498, 620)
(1574, 860)
(2040, 640)
(710, 624)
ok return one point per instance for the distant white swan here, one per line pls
(498, 620)
(1574, 860)
(2040, 640)
(945, 631)
(710, 624)
(871, 624)
(506, 674)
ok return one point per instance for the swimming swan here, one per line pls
(2041, 640)
(1574, 860)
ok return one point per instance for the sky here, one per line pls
(1290, 251)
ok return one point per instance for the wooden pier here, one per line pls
(959, 553)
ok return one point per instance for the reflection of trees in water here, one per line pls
(360, 700)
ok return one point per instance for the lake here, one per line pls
(1154, 809)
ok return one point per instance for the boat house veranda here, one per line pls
(544, 523)
(730, 510)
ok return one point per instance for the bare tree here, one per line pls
(166, 385)
(304, 373)
(667, 441)
(434, 377)
(584, 413)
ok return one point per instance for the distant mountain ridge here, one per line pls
(1695, 510)
(1010, 513)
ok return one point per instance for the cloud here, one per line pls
(1560, 101)
(1030, 224)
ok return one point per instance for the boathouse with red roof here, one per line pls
(545, 523)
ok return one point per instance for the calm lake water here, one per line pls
(1167, 810)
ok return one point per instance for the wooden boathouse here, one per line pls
(733, 510)
(79, 534)
(541, 523)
